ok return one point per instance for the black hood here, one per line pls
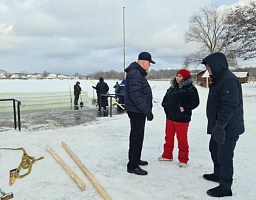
(217, 63)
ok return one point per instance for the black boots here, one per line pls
(223, 190)
(141, 162)
(219, 192)
(138, 171)
(211, 177)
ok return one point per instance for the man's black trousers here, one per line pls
(222, 157)
(137, 123)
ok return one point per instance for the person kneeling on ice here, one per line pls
(179, 101)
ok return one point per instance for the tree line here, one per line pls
(161, 74)
(152, 74)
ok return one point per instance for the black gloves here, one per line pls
(218, 133)
(150, 116)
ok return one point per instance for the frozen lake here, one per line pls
(48, 104)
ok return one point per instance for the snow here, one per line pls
(102, 146)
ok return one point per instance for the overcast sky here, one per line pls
(85, 36)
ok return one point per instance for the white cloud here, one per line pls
(51, 36)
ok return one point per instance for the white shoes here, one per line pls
(182, 165)
(164, 159)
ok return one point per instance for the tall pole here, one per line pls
(124, 36)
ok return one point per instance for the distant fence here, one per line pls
(43, 100)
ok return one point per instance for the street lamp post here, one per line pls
(124, 36)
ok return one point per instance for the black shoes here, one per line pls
(137, 171)
(211, 177)
(141, 162)
(219, 192)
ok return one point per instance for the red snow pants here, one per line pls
(181, 131)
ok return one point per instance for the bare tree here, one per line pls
(242, 30)
(193, 58)
(207, 28)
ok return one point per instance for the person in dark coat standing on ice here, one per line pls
(225, 122)
(138, 103)
(179, 101)
(77, 92)
(116, 88)
(102, 88)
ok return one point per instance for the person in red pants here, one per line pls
(179, 101)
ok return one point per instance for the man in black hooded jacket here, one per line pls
(225, 122)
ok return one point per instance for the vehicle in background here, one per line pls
(120, 95)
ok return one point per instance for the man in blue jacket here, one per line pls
(138, 103)
(225, 122)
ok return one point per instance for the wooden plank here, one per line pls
(94, 182)
(70, 172)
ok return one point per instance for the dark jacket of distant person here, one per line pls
(101, 87)
(77, 88)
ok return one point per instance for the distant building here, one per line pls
(203, 78)
(242, 76)
(51, 76)
(63, 77)
(15, 76)
(34, 76)
(2, 76)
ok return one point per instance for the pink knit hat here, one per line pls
(184, 72)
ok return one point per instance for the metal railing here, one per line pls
(14, 101)
(111, 101)
(110, 108)
(32, 101)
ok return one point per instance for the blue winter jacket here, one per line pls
(225, 101)
(138, 94)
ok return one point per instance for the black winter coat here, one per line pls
(101, 88)
(138, 94)
(225, 102)
(77, 89)
(179, 95)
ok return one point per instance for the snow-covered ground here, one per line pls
(102, 146)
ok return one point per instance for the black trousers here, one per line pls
(76, 99)
(102, 102)
(137, 123)
(222, 157)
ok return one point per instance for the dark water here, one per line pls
(51, 118)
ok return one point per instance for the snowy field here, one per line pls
(102, 146)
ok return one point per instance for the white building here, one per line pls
(51, 76)
(2, 76)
